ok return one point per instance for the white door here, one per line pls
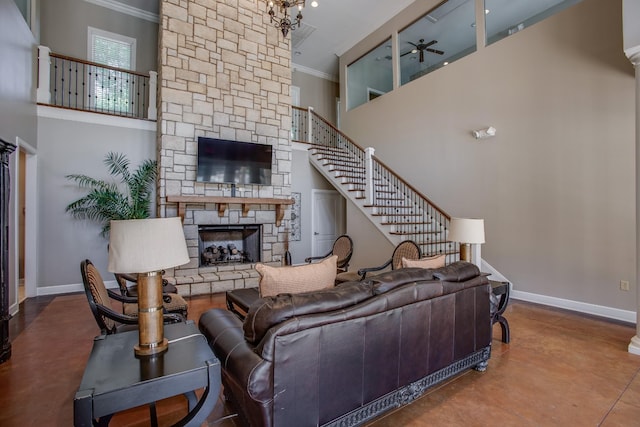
(295, 96)
(327, 213)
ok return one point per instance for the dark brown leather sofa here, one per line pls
(344, 355)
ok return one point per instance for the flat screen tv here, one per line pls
(233, 162)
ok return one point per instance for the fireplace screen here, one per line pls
(229, 244)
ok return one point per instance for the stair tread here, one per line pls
(407, 223)
(399, 233)
(396, 214)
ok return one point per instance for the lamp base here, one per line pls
(151, 349)
(150, 315)
(465, 252)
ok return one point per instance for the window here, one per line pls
(25, 9)
(438, 38)
(507, 18)
(370, 76)
(109, 89)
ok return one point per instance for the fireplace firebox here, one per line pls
(229, 244)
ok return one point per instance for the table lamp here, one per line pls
(466, 231)
(145, 247)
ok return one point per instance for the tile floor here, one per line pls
(560, 369)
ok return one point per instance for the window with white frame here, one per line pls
(110, 90)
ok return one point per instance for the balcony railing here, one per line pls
(77, 84)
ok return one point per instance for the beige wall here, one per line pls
(316, 92)
(556, 185)
(17, 76)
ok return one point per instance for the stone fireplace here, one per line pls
(224, 73)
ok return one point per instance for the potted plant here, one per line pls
(130, 198)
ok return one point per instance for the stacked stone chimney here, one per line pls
(225, 72)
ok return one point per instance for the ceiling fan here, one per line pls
(421, 47)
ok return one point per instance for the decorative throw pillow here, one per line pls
(297, 279)
(435, 261)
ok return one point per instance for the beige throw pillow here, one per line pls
(297, 279)
(436, 261)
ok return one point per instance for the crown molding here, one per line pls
(313, 72)
(126, 9)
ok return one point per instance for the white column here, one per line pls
(310, 125)
(43, 94)
(368, 165)
(476, 255)
(634, 345)
(152, 111)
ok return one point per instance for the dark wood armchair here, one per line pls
(407, 249)
(343, 247)
(128, 284)
(109, 320)
(172, 302)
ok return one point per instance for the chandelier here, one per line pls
(286, 23)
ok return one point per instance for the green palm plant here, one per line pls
(129, 199)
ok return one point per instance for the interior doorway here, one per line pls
(22, 166)
(23, 186)
(327, 218)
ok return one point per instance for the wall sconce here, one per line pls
(484, 133)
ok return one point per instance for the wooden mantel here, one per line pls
(224, 202)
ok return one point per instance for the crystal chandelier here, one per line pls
(286, 23)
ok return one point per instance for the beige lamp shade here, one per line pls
(146, 245)
(466, 230)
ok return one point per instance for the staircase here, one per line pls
(397, 209)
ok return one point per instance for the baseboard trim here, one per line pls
(68, 289)
(581, 307)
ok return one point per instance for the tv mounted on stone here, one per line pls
(233, 162)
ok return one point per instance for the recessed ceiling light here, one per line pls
(486, 11)
(445, 63)
(314, 3)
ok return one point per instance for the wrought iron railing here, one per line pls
(77, 84)
(407, 212)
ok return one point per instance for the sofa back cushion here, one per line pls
(296, 279)
(270, 311)
(390, 280)
(458, 271)
(435, 261)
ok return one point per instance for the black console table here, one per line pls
(115, 380)
(6, 148)
(501, 291)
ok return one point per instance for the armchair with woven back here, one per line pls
(108, 318)
(343, 248)
(408, 249)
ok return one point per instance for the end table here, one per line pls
(501, 290)
(115, 380)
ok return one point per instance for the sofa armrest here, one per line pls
(224, 333)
